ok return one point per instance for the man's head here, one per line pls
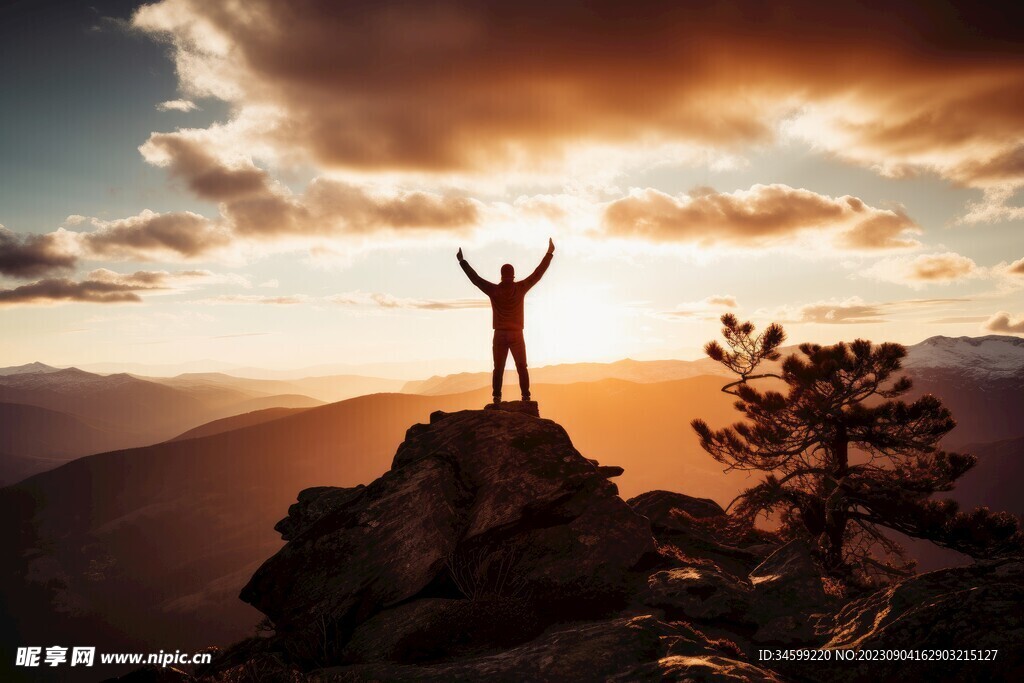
(508, 272)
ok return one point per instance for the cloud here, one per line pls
(98, 289)
(355, 299)
(255, 210)
(254, 205)
(724, 300)
(941, 268)
(848, 312)
(763, 216)
(256, 299)
(177, 105)
(956, 320)
(33, 255)
(241, 334)
(709, 307)
(440, 86)
(208, 176)
(1016, 268)
(106, 286)
(388, 301)
(63, 289)
(162, 279)
(1002, 323)
(852, 310)
(381, 300)
(151, 236)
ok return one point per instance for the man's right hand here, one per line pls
(459, 255)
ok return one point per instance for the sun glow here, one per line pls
(576, 323)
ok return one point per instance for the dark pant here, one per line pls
(505, 341)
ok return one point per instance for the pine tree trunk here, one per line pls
(835, 515)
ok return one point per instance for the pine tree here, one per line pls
(843, 456)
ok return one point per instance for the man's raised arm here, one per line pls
(539, 271)
(485, 286)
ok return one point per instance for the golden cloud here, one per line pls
(100, 286)
(33, 255)
(443, 86)
(941, 268)
(763, 216)
(1003, 323)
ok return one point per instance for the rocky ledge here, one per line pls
(493, 549)
(524, 407)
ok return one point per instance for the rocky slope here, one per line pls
(493, 549)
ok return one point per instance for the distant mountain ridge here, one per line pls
(28, 368)
(992, 357)
(641, 372)
(54, 415)
(327, 388)
(979, 378)
(35, 439)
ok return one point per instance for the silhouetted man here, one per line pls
(507, 316)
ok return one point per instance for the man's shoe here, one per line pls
(497, 399)
(526, 397)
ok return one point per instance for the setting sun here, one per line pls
(576, 323)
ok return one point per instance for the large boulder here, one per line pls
(434, 628)
(313, 504)
(698, 592)
(153, 674)
(788, 591)
(698, 528)
(639, 648)
(973, 611)
(477, 504)
(666, 508)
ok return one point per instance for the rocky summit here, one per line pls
(493, 550)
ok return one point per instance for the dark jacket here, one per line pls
(507, 296)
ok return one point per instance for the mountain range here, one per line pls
(977, 359)
(53, 415)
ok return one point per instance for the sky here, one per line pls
(285, 184)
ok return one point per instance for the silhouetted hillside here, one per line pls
(328, 389)
(35, 439)
(228, 424)
(129, 411)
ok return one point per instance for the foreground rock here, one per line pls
(476, 505)
(524, 407)
(492, 550)
(625, 649)
(698, 528)
(789, 593)
(976, 608)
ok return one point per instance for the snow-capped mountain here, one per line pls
(980, 379)
(992, 357)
